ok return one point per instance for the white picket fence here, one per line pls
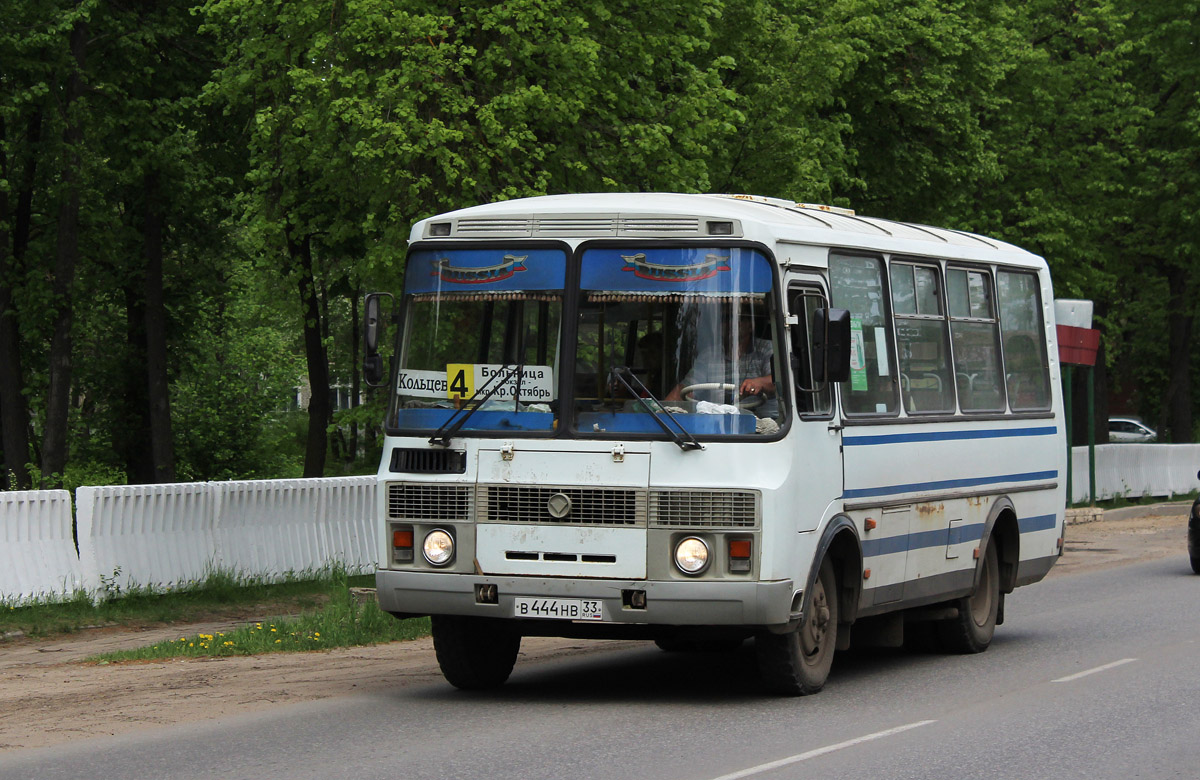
(1135, 470)
(171, 535)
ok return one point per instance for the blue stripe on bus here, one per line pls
(943, 537)
(939, 538)
(1040, 523)
(946, 484)
(904, 438)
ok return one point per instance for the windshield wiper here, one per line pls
(442, 435)
(643, 394)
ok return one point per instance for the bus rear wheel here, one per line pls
(973, 629)
(798, 663)
(474, 653)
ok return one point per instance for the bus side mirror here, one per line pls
(373, 332)
(832, 347)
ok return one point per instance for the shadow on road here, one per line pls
(646, 675)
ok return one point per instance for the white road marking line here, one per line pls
(754, 770)
(1104, 668)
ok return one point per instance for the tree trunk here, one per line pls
(355, 374)
(162, 450)
(10, 354)
(133, 427)
(14, 412)
(318, 364)
(1177, 402)
(66, 256)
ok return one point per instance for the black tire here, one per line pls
(474, 653)
(798, 663)
(1193, 536)
(973, 629)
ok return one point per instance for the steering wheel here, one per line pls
(749, 402)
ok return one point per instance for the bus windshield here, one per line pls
(472, 316)
(695, 326)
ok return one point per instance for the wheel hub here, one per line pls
(817, 626)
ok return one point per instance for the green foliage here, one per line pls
(231, 396)
(286, 148)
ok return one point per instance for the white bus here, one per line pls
(701, 419)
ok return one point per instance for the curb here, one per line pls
(1093, 514)
(362, 595)
(1085, 515)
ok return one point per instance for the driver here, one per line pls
(753, 364)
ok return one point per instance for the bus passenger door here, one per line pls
(817, 433)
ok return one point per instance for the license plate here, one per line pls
(558, 609)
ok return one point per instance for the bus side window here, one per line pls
(811, 397)
(1021, 328)
(922, 339)
(973, 332)
(857, 284)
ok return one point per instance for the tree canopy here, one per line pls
(194, 196)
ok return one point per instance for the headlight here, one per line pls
(691, 555)
(438, 547)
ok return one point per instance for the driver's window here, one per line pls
(812, 397)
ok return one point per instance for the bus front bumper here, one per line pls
(667, 603)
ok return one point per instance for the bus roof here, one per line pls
(574, 218)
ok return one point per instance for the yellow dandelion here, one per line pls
(278, 641)
(273, 630)
(316, 633)
(190, 644)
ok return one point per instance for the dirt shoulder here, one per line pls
(1125, 536)
(49, 696)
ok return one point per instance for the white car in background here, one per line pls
(1129, 429)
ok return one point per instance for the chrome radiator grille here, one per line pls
(429, 502)
(589, 506)
(703, 509)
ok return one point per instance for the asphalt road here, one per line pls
(1094, 675)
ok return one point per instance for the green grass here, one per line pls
(221, 596)
(342, 622)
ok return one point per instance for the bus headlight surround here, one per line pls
(692, 555)
(438, 547)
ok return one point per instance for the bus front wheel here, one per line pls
(798, 663)
(972, 630)
(474, 653)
